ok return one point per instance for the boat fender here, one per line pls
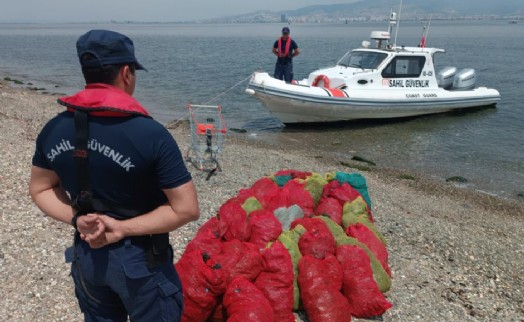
(322, 78)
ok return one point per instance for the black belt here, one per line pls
(140, 241)
(155, 246)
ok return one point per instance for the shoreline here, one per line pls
(448, 173)
(415, 177)
(456, 254)
(289, 140)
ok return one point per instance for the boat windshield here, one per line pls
(362, 59)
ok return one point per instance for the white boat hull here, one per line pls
(306, 104)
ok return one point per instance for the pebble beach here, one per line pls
(456, 254)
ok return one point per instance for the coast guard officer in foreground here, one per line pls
(117, 176)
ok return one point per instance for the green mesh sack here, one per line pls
(281, 180)
(356, 207)
(354, 213)
(336, 230)
(330, 176)
(314, 184)
(251, 204)
(289, 239)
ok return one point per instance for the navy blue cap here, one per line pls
(108, 48)
(285, 30)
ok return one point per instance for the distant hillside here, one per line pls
(366, 10)
(456, 7)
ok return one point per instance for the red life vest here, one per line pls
(288, 47)
(104, 100)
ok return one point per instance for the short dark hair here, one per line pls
(104, 74)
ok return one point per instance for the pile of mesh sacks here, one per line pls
(292, 241)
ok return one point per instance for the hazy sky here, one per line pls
(139, 10)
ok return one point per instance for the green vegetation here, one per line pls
(458, 179)
(16, 81)
(355, 165)
(361, 159)
(238, 130)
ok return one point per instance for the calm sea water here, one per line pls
(210, 64)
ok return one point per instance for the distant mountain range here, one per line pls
(366, 10)
(460, 7)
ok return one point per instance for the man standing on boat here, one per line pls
(285, 49)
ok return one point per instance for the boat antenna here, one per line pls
(429, 25)
(398, 23)
(425, 31)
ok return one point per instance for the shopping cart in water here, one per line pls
(208, 131)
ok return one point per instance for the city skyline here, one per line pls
(139, 10)
(170, 11)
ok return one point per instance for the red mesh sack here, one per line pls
(219, 313)
(328, 187)
(265, 190)
(238, 259)
(358, 286)
(233, 222)
(297, 195)
(367, 237)
(201, 286)
(292, 193)
(205, 241)
(342, 192)
(330, 207)
(319, 281)
(276, 281)
(264, 227)
(243, 195)
(276, 201)
(245, 302)
(318, 240)
(213, 225)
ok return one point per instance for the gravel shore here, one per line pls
(455, 254)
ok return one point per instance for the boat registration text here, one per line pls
(408, 83)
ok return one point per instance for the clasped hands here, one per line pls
(99, 230)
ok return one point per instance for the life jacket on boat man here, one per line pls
(285, 49)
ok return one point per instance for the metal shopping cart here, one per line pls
(208, 131)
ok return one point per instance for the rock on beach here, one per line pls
(456, 254)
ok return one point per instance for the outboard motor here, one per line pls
(465, 79)
(445, 77)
